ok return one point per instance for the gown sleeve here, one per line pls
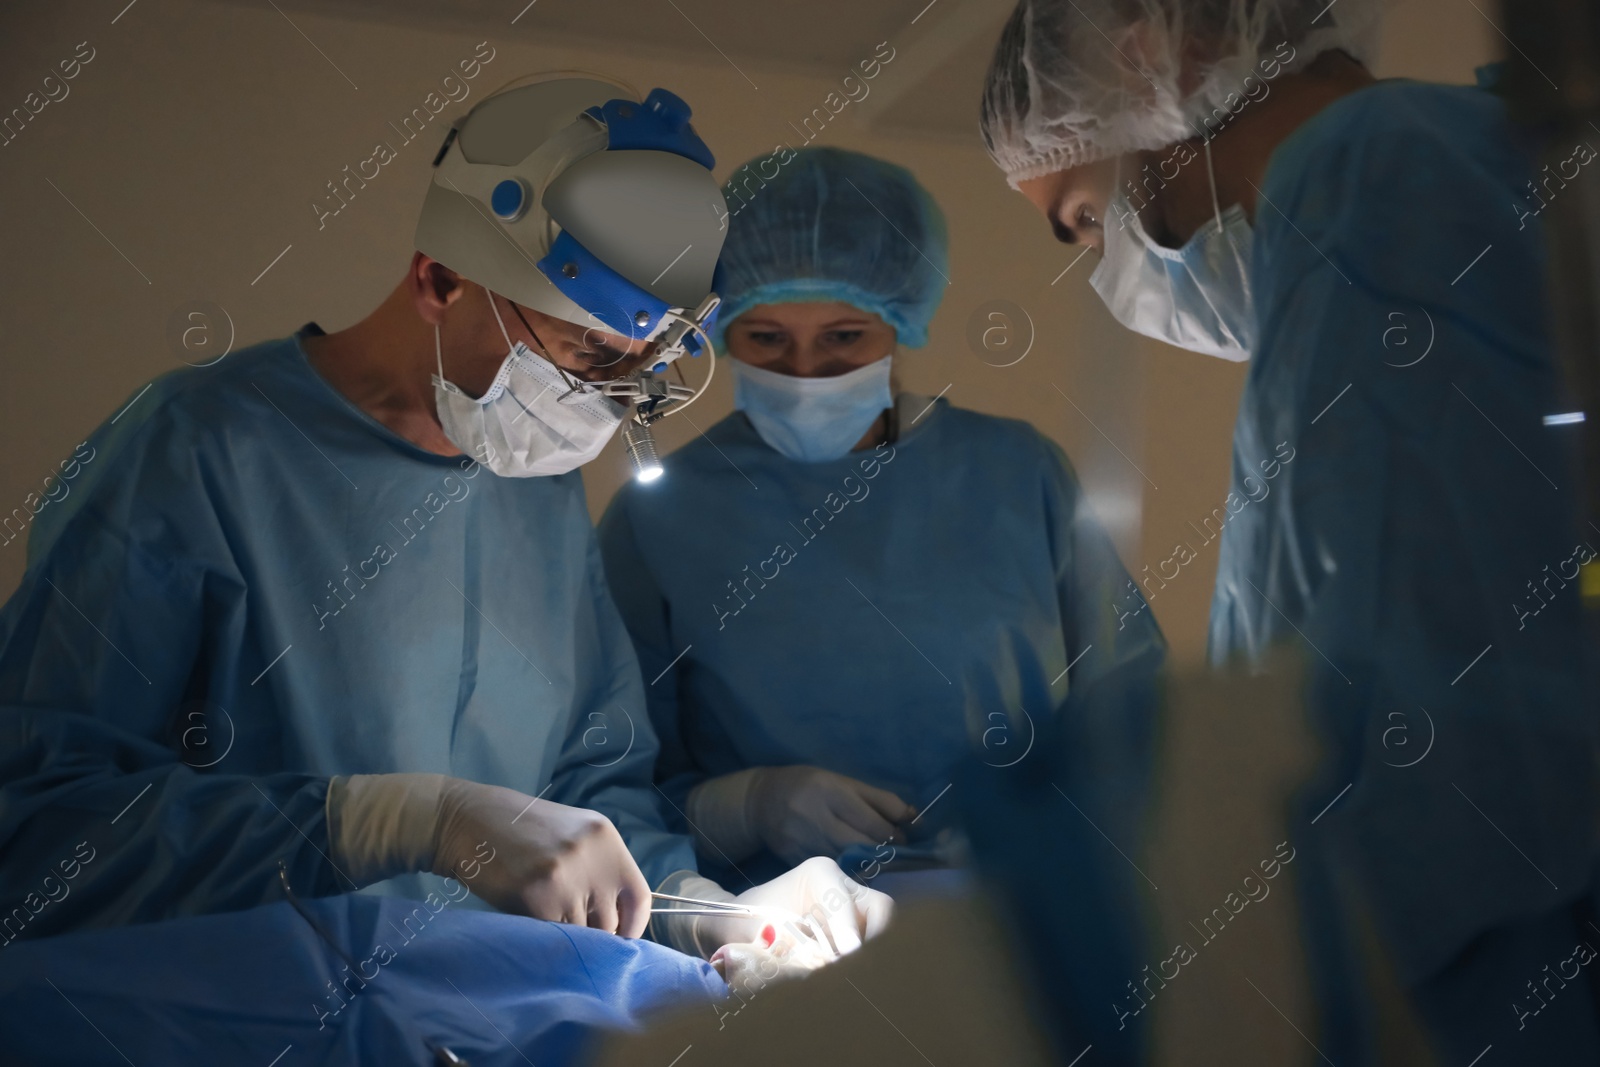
(648, 618)
(608, 763)
(99, 649)
(1110, 705)
(1054, 832)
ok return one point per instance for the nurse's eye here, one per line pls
(767, 338)
(842, 338)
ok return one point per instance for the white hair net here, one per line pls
(1075, 81)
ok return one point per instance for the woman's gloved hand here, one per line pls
(524, 856)
(797, 812)
(750, 968)
(840, 913)
(843, 912)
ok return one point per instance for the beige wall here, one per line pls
(194, 142)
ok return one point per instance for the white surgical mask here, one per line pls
(812, 419)
(1197, 297)
(529, 422)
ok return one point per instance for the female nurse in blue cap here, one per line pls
(838, 593)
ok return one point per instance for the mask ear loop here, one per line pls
(573, 386)
(1116, 189)
(438, 355)
(1129, 220)
(449, 386)
(1216, 206)
(498, 320)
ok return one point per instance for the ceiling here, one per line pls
(946, 43)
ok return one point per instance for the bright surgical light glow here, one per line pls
(1566, 418)
(650, 474)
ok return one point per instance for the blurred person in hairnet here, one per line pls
(840, 592)
(1370, 247)
(336, 599)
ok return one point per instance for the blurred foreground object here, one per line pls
(1553, 83)
(937, 986)
(1048, 952)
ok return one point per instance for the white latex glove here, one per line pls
(524, 856)
(748, 969)
(797, 812)
(837, 906)
(841, 912)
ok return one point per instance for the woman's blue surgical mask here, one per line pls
(812, 420)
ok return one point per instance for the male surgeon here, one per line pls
(336, 601)
(1258, 195)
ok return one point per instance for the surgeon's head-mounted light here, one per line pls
(651, 396)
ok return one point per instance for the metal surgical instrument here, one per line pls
(696, 906)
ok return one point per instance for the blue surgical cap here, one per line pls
(833, 225)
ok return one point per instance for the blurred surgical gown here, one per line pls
(885, 615)
(246, 987)
(253, 586)
(1424, 540)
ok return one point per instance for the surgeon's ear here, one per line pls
(433, 287)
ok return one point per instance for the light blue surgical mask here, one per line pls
(1197, 297)
(812, 420)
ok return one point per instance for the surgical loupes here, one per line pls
(652, 397)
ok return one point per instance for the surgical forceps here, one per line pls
(696, 906)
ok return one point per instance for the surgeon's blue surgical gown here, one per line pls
(253, 586)
(1424, 540)
(884, 615)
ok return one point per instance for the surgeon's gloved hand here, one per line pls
(812, 914)
(523, 856)
(797, 812)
